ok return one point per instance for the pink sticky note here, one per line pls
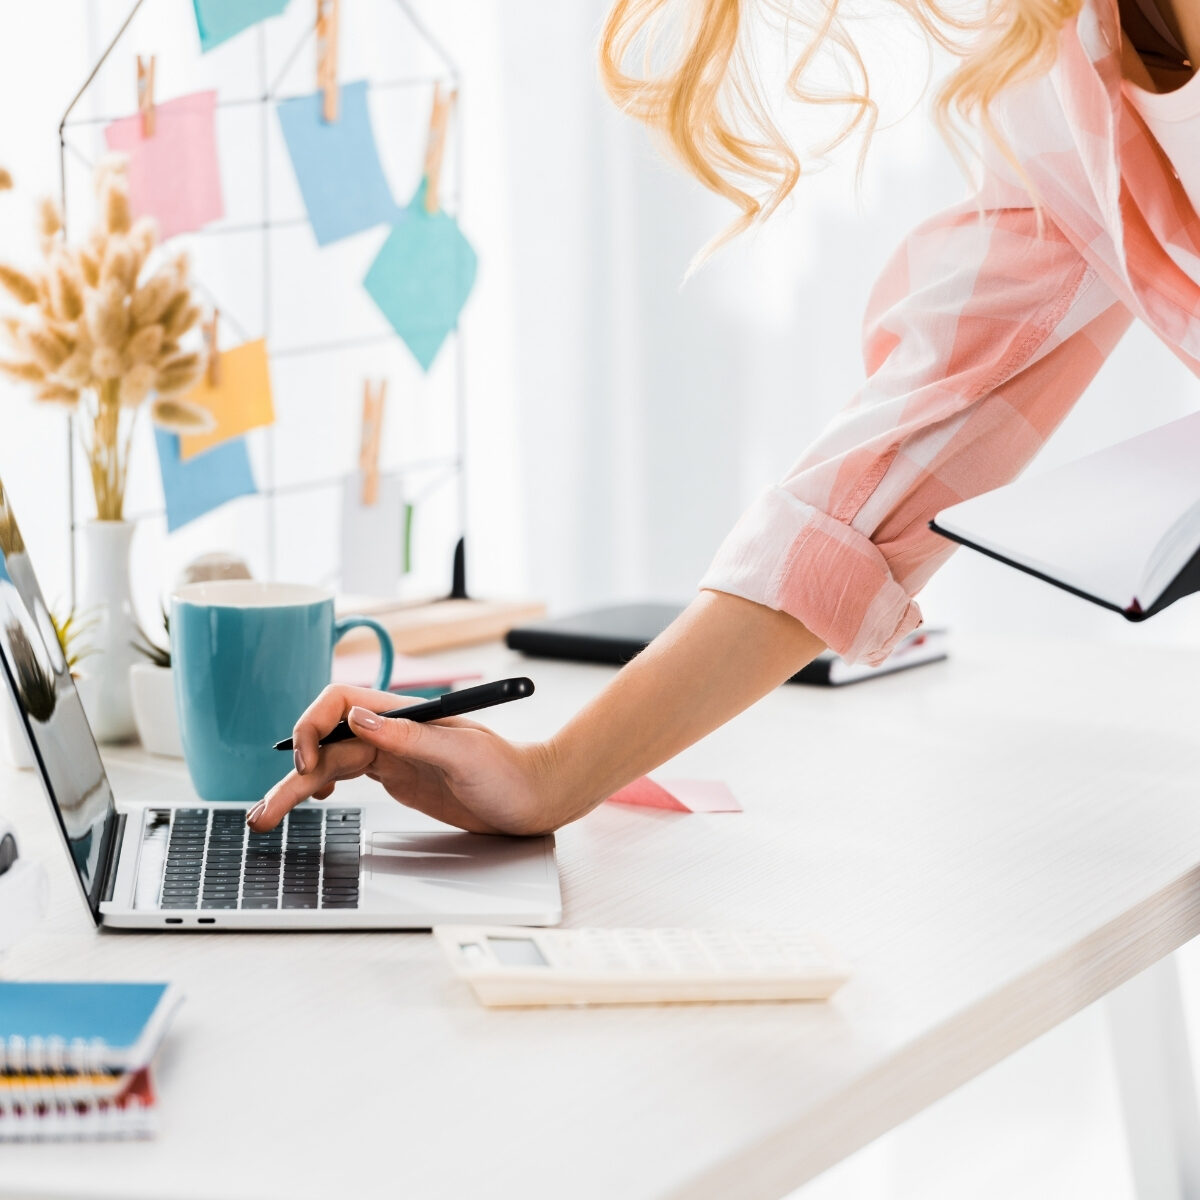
(173, 175)
(679, 795)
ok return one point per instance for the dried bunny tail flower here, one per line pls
(136, 384)
(10, 331)
(57, 393)
(27, 372)
(21, 287)
(106, 363)
(5, 180)
(117, 215)
(143, 237)
(66, 288)
(145, 345)
(47, 348)
(120, 263)
(113, 164)
(179, 316)
(178, 374)
(49, 218)
(107, 318)
(180, 416)
(77, 370)
(152, 298)
(89, 266)
(170, 314)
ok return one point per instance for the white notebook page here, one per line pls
(1096, 524)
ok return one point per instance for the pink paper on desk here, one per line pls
(360, 670)
(678, 795)
(173, 175)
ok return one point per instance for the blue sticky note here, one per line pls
(218, 20)
(203, 483)
(422, 277)
(336, 164)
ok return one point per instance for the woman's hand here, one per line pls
(455, 770)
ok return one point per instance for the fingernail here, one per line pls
(365, 717)
(298, 759)
(255, 812)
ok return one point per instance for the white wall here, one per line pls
(618, 423)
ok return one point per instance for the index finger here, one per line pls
(330, 707)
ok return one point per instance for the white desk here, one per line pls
(995, 842)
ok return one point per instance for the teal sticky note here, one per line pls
(218, 20)
(336, 163)
(422, 277)
(203, 483)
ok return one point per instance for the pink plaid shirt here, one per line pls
(978, 338)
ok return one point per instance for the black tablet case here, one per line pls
(615, 635)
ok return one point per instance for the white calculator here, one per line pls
(511, 966)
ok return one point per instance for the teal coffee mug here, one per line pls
(248, 658)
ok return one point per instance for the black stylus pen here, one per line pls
(452, 704)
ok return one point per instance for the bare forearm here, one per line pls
(720, 656)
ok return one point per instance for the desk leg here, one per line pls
(1158, 1092)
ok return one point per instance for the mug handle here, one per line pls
(387, 652)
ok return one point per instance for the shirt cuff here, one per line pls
(795, 558)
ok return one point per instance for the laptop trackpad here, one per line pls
(458, 867)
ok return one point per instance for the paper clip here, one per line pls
(327, 51)
(374, 395)
(145, 93)
(439, 120)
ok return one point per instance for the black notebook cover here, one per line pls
(617, 634)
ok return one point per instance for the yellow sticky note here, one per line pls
(241, 400)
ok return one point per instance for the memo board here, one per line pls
(260, 267)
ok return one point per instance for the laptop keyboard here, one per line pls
(310, 860)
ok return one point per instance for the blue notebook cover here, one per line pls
(129, 1018)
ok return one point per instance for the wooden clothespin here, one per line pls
(327, 52)
(212, 353)
(145, 93)
(374, 396)
(435, 147)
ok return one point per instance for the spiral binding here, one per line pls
(62, 1121)
(52, 1055)
(48, 1093)
(58, 1108)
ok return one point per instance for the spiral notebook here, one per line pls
(70, 1117)
(74, 1058)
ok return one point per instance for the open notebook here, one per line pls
(1120, 527)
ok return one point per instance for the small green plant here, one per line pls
(160, 656)
(70, 631)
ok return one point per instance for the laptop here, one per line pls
(160, 859)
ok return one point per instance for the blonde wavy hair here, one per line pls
(698, 86)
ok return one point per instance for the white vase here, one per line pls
(105, 610)
(153, 691)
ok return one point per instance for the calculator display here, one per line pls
(517, 952)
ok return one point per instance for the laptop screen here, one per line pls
(37, 675)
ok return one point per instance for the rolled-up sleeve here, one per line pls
(979, 336)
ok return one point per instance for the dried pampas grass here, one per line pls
(99, 328)
(179, 416)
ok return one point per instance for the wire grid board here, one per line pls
(261, 266)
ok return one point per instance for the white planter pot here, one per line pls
(105, 602)
(152, 690)
(14, 746)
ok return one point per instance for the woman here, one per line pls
(980, 335)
